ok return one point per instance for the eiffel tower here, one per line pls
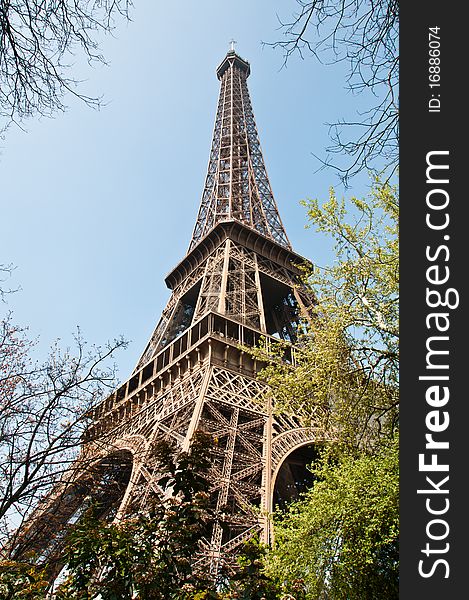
(239, 281)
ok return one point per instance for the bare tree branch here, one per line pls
(38, 39)
(364, 34)
(43, 416)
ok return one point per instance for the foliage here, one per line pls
(346, 376)
(37, 41)
(151, 554)
(365, 35)
(251, 582)
(43, 417)
(359, 300)
(341, 540)
(22, 581)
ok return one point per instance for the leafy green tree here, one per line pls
(346, 372)
(251, 582)
(22, 581)
(151, 554)
(340, 541)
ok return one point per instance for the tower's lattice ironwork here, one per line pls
(239, 281)
(237, 186)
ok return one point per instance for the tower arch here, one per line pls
(292, 476)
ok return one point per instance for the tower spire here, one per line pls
(237, 187)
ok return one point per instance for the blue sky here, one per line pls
(98, 206)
